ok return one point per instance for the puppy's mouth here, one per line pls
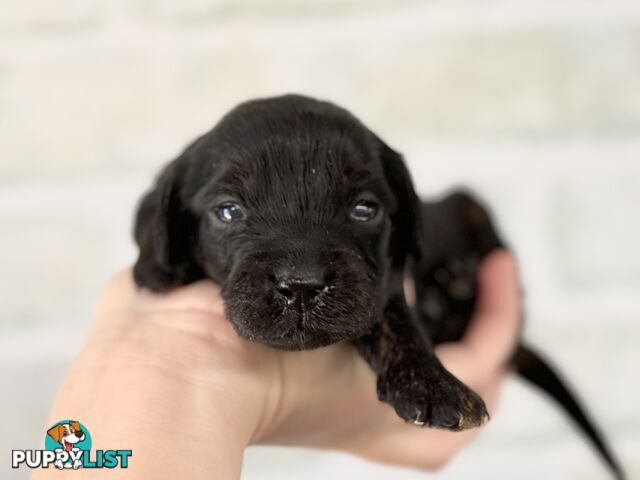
(296, 323)
(304, 323)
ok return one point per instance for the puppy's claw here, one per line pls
(418, 418)
(485, 418)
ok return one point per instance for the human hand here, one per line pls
(168, 377)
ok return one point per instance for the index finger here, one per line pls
(493, 331)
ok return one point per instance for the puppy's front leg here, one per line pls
(412, 379)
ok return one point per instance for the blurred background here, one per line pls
(534, 104)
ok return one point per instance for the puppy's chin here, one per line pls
(295, 340)
(291, 330)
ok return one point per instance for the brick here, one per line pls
(129, 103)
(64, 244)
(596, 230)
(71, 122)
(42, 16)
(203, 11)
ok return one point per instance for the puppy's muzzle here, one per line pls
(300, 298)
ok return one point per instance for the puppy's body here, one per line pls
(308, 221)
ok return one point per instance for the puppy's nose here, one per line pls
(306, 287)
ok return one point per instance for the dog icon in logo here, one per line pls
(67, 435)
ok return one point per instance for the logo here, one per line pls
(67, 444)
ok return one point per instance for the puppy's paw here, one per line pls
(432, 398)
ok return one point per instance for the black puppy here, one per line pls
(309, 222)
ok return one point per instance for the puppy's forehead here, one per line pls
(291, 151)
(312, 172)
(322, 154)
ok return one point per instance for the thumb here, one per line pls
(493, 330)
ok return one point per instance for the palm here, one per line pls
(320, 398)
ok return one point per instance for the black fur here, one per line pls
(298, 271)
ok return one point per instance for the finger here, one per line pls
(203, 296)
(121, 291)
(499, 287)
(492, 334)
(468, 366)
(491, 390)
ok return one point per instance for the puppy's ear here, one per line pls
(166, 232)
(405, 219)
(75, 425)
(55, 432)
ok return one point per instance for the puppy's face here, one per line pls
(298, 237)
(67, 434)
(293, 215)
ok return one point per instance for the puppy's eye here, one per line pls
(364, 211)
(229, 212)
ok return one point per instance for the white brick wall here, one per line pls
(534, 104)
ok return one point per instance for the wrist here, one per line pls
(167, 397)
